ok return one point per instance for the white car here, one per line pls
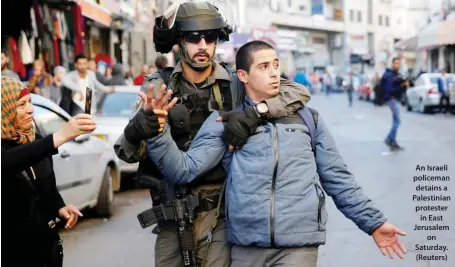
(86, 169)
(114, 112)
(425, 96)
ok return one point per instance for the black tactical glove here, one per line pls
(142, 126)
(239, 126)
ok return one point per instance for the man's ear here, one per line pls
(243, 76)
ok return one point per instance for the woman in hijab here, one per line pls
(28, 181)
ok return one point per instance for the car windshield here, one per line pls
(119, 104)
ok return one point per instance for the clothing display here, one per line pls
(49, 35)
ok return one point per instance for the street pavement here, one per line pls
(387, 178)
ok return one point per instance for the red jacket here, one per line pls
(139, 79)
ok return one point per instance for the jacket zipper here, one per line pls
(321, 201)
(272, 194)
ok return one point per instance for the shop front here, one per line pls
(438, 40)
(98, 37)
(52, 31)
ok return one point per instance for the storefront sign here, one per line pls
(111, 5)
(95, 12)
(269, 35)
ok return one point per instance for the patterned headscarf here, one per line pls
(12, 91)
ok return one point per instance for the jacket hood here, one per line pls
(305, 95)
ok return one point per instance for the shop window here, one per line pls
(318, 40)
(387, 21)
(351, 15)
(359, 16)
(380, 20)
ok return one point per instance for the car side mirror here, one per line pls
(82, 138)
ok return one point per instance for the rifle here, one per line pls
(178, 205)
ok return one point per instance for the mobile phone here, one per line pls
(88, 100)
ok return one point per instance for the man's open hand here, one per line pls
(160, 104)
(386, 238)
(161, 101)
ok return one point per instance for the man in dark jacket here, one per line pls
(393, 85)
(118, 75)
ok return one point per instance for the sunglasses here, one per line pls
(196, 37)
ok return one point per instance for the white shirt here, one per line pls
(83, 84)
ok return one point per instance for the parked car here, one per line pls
(424, 96)
(86, 169)
(114, 112)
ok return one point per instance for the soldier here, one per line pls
(201, 86)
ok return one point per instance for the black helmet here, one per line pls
(188, 17)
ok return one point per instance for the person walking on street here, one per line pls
(443, 88)
(139, 79)
(118, 75)
(40, 78)
(81, 78)
(276, 216)
(350, 87)
(393, 85)
(327, 82)
(201, 86)
(33, 198)
(99, 76)
(53, 92)
(5, 70)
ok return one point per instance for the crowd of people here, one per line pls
(67, 88)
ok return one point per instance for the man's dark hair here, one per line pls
(161, 62)
(395, 58)
(243, 58)
(79, 56)
(4, 52)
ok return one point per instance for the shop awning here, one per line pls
(408, 44)
(437, 34)
(96, 12)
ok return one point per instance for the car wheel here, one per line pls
(422, 108)
(408, 107)
(105, 205)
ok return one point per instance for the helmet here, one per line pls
(189, 17)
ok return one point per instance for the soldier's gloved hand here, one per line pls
(239, 126)
(142, 126)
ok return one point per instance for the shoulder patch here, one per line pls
(137, 106)
(152, 76)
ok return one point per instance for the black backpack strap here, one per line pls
(310, 119)
(225, 89)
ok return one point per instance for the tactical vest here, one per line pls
(186, 118)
